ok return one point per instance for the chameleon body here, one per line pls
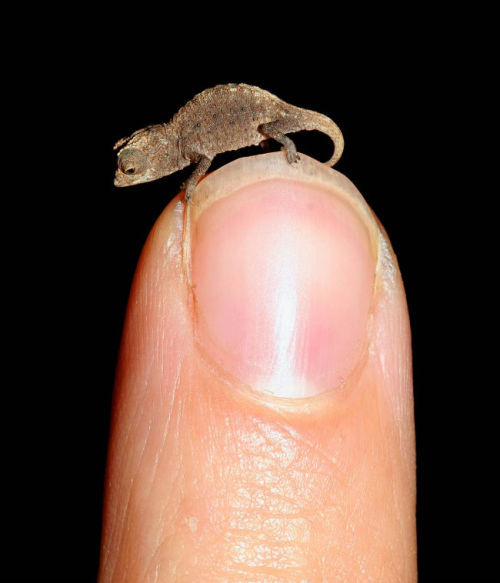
(226, 117)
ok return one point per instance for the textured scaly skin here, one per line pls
(223, 118)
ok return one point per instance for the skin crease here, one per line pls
(209, 481)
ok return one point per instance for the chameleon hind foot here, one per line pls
(271, 130)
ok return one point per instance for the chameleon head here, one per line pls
(133, 165)
(147, 155)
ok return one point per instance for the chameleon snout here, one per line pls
(120, 179)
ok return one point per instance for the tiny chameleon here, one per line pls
(223, 118)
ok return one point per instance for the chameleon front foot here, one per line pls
(201, 169)
(188, 191)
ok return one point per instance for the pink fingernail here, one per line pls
(283, 276)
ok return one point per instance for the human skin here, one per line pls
(262, 425)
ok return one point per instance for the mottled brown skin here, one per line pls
(226, 117)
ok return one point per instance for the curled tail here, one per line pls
(323, 124)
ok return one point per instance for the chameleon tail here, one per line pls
(327, 126)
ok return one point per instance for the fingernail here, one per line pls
(283, 274)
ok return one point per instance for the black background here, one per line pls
(401, 93)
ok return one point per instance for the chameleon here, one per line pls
(220, 119)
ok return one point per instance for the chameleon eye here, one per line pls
(132, 162)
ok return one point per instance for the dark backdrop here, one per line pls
(400, 95)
